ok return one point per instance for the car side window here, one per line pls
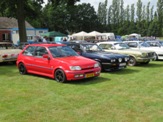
(76, 48)
(106, 46)
(29, 51)
(132, 44)
(40, 51)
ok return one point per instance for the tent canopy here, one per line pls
(95, 33)
(82, 33)
(53, 34)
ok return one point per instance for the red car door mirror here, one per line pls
(46, 56)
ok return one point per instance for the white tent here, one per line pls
(81, 34)
(135, 35)
(96, 34)
(110, 36)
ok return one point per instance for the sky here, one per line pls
(126, 2)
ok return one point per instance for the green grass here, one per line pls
(134, 94)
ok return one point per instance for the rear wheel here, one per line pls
(22, 69)
(60, 76)
(132, 61)
(155, 57)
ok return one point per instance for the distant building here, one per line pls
(9, 30)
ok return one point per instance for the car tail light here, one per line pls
(12, 55)
(5, 56)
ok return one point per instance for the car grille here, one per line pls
(87, 67)
(150, 54)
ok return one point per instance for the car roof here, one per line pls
(109, 42)
(47, 44)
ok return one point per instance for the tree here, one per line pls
(115, 15)
(102, 12)
(86, 18)
(160, 15)
(18, 10)
(139, 15)
(122, 13)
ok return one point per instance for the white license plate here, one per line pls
(122, 64)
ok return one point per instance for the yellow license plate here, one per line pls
(89, 75)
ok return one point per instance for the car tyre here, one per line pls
(22, 69)
(132, 61)
(155, 57)
(60, 76)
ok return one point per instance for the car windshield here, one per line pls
(62, 51)
(143, 44)
(6, 46)
(154, 43)
(161, 43)
(121, 46)
(91, 48)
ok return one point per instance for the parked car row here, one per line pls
(135, 55)
(75, 60)
(146, 46)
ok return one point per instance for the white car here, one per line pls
(8, 53)
(135, 56)
(145, 46)
(155, 43)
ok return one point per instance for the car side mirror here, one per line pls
(46, 56)
(79, 51)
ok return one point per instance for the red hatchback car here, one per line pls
(56, 61)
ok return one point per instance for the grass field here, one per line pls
(134, 94)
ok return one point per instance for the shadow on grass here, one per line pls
(122, 71)
(86, 81)
(8, 64)
(153, 64)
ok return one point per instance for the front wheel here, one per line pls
(132, 61)
(60, 76)
(22, 69)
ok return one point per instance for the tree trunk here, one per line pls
(21, 21)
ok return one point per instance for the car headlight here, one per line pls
(96, 65)
(75, 68)
(120, 59)
(112, 60)
(126, 58)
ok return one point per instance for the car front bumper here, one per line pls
(82, 74)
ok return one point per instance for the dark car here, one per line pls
(108, 61)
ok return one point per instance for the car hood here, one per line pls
(130, 51)
(107, 54)
(77, 61)
(160, 50)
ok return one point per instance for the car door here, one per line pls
(28, 57)
(42, 65)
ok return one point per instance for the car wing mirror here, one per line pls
(79, 51)
(46, 56)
